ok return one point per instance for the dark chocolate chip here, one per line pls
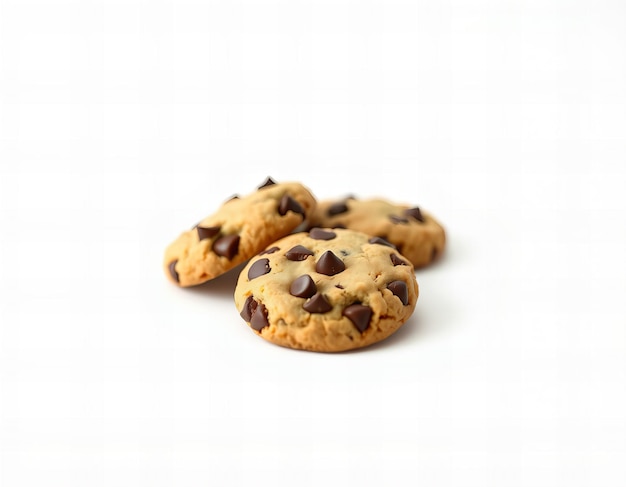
(303, 287)
(339, 286)
(271, 250)
(317, 304)
(259, 318)
(260, 267)
(337, 208)
(172, 268)
(321, 234)
(434, 253)
(233, 197)
(248, 308)
(329, 264)
(400, 289)
(207, 232)
(287, 203)
(395, 260)
(359, 315)
(381, 241)
(268, 182)
(299, 252)
(398, 219)
(415, 213)
(227, 246)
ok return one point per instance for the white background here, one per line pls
(125, 122)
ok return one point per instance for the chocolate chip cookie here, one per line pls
(237, 231)
(327, 290)
(415, 233)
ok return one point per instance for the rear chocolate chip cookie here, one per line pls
(415, 233)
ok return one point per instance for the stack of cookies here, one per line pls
(326, 277)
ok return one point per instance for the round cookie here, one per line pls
(327, 291)
(237, 231)
(415, 233)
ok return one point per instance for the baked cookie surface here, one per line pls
(415, 233)
(327, 291)
(238, 230)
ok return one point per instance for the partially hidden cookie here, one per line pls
(327, 291)
(237, 231)
(415, 233)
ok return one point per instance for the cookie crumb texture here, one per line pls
(415, 233)
(239, 229)
(327, 291)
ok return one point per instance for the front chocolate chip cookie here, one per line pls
(327, 291)
(241, 228)
(416, 234)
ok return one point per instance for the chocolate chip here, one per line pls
(400, 289)
(434, 253)
(259, 318)
(303, 287)
(320, 234)
(337, 208)
(329, 264)
(340, 225)
(233, 197)
(415, 213)
(395, 260)
(248, 308)
(359, 315)
(172, 268)
(226, 246)
(271, 250)
(317, 304)
(287, 203)
(207, 232)
(268, 182)
(398, 219)
(339, 286)
(299, 252)
(381, 241)
(260, 267)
